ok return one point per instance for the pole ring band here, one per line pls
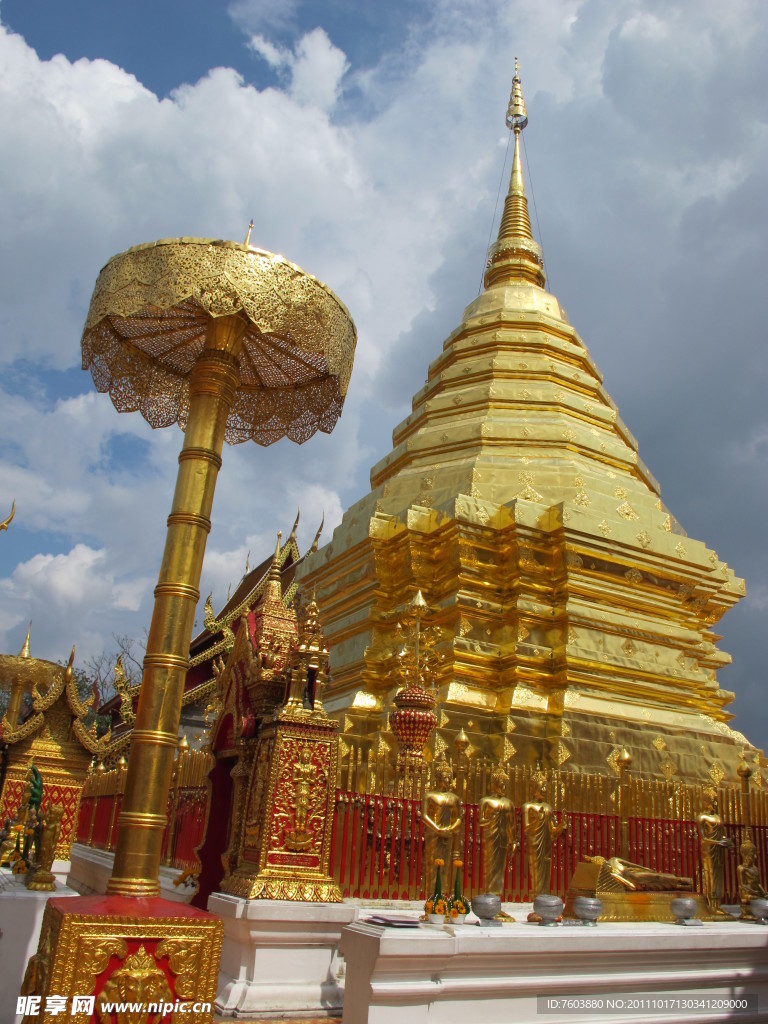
(155, 738)
(192, 518)
(174, 589)
(205, 454)
(133, 887)
(141, 819)
(162, 659)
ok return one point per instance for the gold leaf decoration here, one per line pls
(626, 511)
(562, 753)
(716, 773)
(529, 492)
(581, 497)
(644, 539)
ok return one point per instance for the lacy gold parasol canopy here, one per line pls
(151, 311)
(233, 343)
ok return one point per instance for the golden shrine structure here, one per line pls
(578, 615)
(51, 732)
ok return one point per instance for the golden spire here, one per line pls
(248, 233)
(515, 256)
(274, 589)
(25, 651)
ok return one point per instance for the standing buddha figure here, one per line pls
(497, 827)
(441, 814)
(541, 830)
(714, 843)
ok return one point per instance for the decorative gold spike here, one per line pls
(6, 522)
(248, 233)
(25, 652)
(316, 541)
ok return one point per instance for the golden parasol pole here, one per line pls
(143, 817)
(233, 343)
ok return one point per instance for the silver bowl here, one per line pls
(548, 908)
(684, 909)
(587, 909)
(486, 907)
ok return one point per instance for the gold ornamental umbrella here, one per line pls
(21, 673)
(232, 343)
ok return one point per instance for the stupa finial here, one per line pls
(25, 651)
(515, 255)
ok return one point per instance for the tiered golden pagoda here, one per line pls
(579, 614)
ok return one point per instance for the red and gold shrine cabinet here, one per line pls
(286, 835)
(124, 949)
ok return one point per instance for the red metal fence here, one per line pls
(100, 803)
(378, 843)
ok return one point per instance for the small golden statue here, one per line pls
(714, 843)
(442, 817)
(750, 886)
(304, 771)
(618, 875)
(541, 830)
(42, 878)
(497, 826)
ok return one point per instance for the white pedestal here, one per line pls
(90, 870)
(462, 975)
(279, 955)
(21, 915)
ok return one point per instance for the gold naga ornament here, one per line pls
(232, 343)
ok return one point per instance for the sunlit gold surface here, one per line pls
(149, 320)
(578, 612)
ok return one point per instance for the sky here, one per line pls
(367, 142)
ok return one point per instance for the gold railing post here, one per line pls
(624, 762)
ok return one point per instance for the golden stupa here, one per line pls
(578, 615)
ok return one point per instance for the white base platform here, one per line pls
(90, 869)
(21, 915)
(279, 955)
(467, 974)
